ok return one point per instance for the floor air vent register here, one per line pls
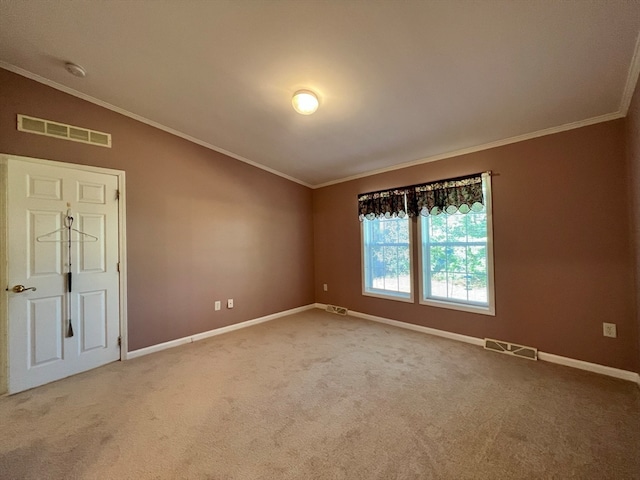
(511, 349)
(335, 309)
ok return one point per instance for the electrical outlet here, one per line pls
(325, 287)
(230, 303)
(218, 305)
(609, 330)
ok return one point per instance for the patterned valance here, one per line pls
(462, 194)
(383, 204)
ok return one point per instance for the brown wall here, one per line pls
(563, 258)
(633, 154)
(200, 226)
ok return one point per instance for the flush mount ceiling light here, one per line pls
(75, 70)
(305, 102)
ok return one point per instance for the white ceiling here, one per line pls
(398, 81)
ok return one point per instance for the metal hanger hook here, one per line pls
(68, 220)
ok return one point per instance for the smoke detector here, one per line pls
(75, 70)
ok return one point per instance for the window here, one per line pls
(455, 243)
(456, 259)
(386, 258)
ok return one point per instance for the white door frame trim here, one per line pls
(4, 235)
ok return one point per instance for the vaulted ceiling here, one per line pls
(399, 82)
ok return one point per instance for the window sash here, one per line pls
(368, 246)
(428, 277)
(427, 272)
(425, 263)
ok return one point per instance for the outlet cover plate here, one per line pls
(609, 330)
(230, 303)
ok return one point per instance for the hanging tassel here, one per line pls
(70, 329)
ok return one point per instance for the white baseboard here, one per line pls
(419, 328)
(546, 357)
(212, 333)
(590, 367)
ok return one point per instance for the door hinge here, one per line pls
(117, 194)
(118, 267)
(119, 341)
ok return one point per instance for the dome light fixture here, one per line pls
(75, 70)
(305, 102)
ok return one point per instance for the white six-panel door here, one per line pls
(39, 198)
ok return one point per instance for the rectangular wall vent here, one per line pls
(338, 310)
(511, 349)
(61, 130)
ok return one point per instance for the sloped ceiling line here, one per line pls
(632, 80)
(126, 113)
(397, 86)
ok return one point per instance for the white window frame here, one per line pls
(490, 308)
(388, 294)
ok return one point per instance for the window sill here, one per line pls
(389, 296)
(463, 307)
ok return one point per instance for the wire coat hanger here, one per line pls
(68, 220)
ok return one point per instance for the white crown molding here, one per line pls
(212, 333)
(632, 79)
(630, 86)
(543, 356)
(126, 113)
(634, 71)
(478, 148)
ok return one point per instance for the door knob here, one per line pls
(22, 288)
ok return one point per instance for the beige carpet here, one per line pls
(319, 396)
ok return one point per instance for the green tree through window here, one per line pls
(454, 257)
(387, 257)
(454, 250)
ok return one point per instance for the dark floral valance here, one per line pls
(462, 194)
(383, 204)
(450, 196)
